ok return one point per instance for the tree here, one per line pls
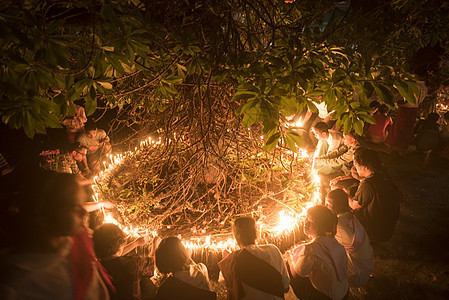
(150, 58)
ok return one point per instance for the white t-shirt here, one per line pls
(197, 276)
(360, 252)
(270, 254)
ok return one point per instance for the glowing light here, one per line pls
(288, 219)
(285, 223)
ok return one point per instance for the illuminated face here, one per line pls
(361, 170)
(309, 227)
(92, 133)
(78, 155)
(69, 216)
(319, 135)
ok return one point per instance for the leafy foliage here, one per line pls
(150, 59)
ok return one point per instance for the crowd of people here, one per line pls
(53, 254)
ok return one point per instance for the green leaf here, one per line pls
(272, 142)
(91, 102)
(385, 94)
(104, 84)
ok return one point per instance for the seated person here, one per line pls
(182, 278)
(53, 257)
(130, 274)
(67, 162)
(254, 271)
(352, 235)
(329, 140)
(428, 133)
(376, 202)
(376, 133)
(97, 144)
(319, 270)
(340, 158)
(75, 123)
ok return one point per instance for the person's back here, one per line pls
(271, 255)
(319, 269)
(379, 213)
(259, 269)
(352, 235)
(377, 132)
(428, 133)
(183, 276)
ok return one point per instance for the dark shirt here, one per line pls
(174, 288)
(379, 201)
(127, 274)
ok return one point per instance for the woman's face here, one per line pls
(309, 227)
(70, 215)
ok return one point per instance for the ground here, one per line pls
(414, 264)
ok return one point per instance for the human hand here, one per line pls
(107, 204)
(143, 240)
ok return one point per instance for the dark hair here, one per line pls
(45, 197)
(171, 256)
(383, 109)
(352, 134)
(433, 117)
(108, 239)
(339, 201)
(368, 158)
(374, 105)
(321, 127)
(90, 125)
(324, 219)
(245, 232)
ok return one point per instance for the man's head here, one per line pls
(109, 240)
(366, 161)
(76, 152)
(245, 231)
(338, 201)
(91, 129)
(321, 130)
(350, 139)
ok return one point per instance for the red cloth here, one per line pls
(379, 129)
(83, 255)
(401, 133)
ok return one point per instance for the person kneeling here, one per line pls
(254, 271)
(318, 270)
(182, 277)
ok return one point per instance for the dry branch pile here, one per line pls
(205, 171)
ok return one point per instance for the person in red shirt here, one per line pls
(377, 133)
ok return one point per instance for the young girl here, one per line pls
(183, 279)
(318, 270)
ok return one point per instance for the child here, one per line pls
(352, 235)
(319, 269)
(183, 278)
(254, 271)
(130, 275)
